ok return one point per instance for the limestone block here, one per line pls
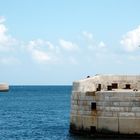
(79, 122)
(106, 98)
(87, 113)
(74, 107)
(114, 109)
(100, 103)
(136, 104)
(137, 114)
(129, 125)
(108, 124)
(127, 114)
(73, 119)
(104, 114)
(135, 99)
(74, 102)
(137, 94)
(90, 93)
(87, 108)
(89, 121)
(126, 104)
(99, 98)
(82, 102)
(136, 109)
(114, 99)
(73, 112)
(107, 108)
(115, 104)
(115, 114)
(89, 102)
(80, 112)
(99, 108)
(89, 98)
(94, 113)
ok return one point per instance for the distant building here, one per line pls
(4, 87)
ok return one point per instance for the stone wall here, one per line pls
(115, 111)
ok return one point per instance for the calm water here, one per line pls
(36, 113)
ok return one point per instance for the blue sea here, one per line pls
(36, 113)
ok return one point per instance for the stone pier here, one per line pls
(106, 104)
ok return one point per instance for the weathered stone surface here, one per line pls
(126, 114)
(136, 109)
(129, 125)
(109, 124)
(89, 121)
(115, 111)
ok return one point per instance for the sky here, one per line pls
(55, 42)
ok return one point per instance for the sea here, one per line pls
(36, 113)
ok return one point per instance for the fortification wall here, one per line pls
(116, 111)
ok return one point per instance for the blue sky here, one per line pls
(56, 42)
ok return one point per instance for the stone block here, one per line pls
(126, 104)
(104, 114)
(89, 98)
(115, 104)
(88, 113)
(73, 119)
(129, 125)
(74, 107)
(107, 124)
(81, 97)
(73, 112)
(114, 109)
(87, 108)
(82, 102)
(79, 122)
(115, 114)
(135, 99)
(136, 104)
(99, 98)
(92, 93)
(99, 108)
(137, 94)
(106, 98)
(115, 99)
(89, 121)
(137, 114)
(126, 114)
(136, 109)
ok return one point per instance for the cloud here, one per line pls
(131, 40)
(2, 19)
(68, 46)
(87, 35)
(40, 56)
(41, 51)
(6, 41)
(102, 45)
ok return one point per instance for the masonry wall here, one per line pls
(116, 111)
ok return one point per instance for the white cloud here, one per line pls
(40, 43)
(102, 45)
(131, 40)
(6, 41)
(40, 56)
(42, 51)
(69, 46)
(2, 19)
(87, 35)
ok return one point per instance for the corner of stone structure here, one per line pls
(103, 105)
